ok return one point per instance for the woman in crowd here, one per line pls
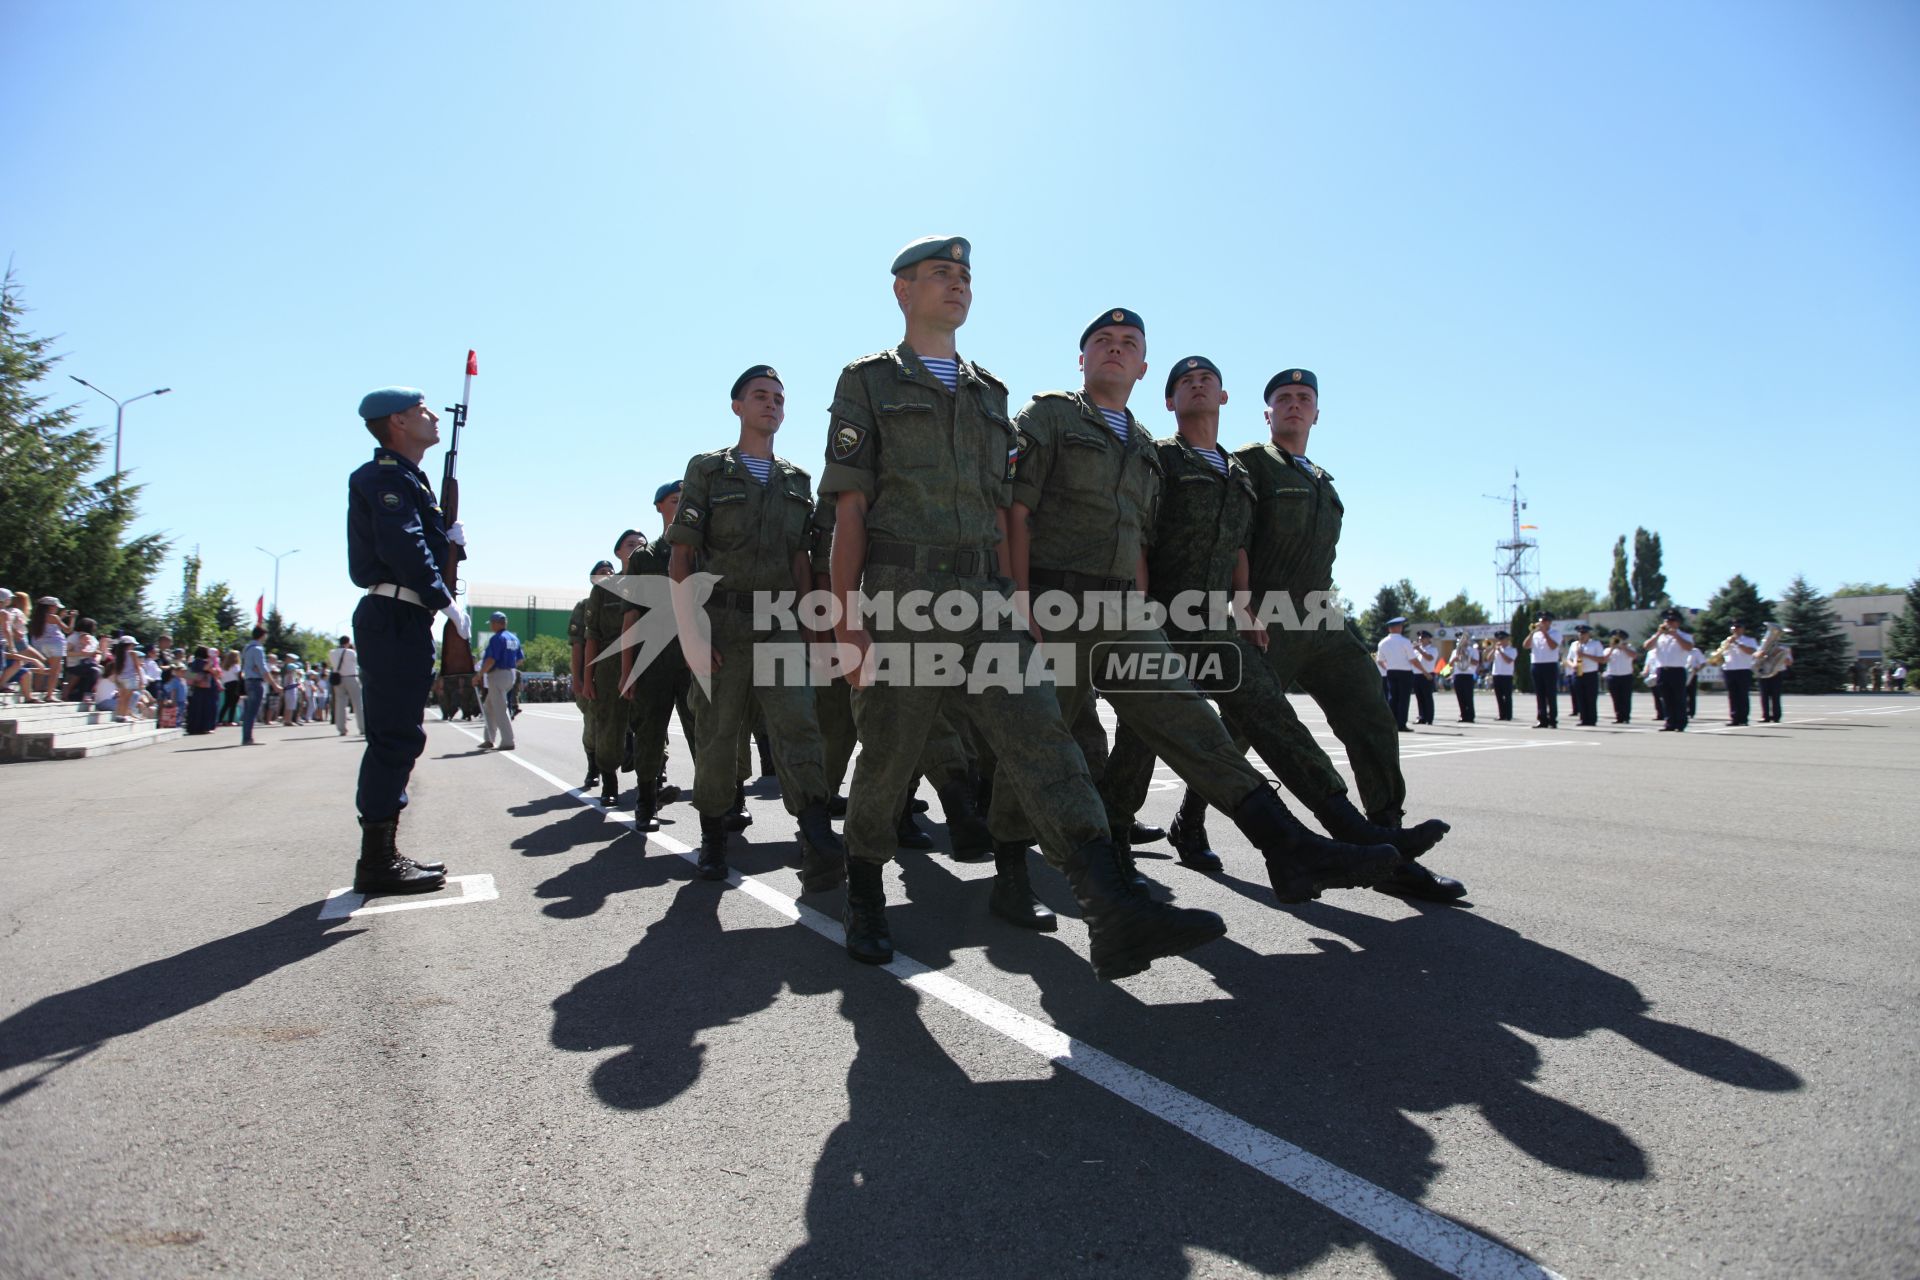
(83, 661)
(234, 688)
(203, 690)
(126, 677)
(16, 659)
(47, 634)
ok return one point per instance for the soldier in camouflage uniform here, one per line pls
(1084, 502)
(655, 692)
(746, 514)
(1200, 546)
(943, 759)
(1296, 533)
(577, 647)
(920, 455)
(611, 714)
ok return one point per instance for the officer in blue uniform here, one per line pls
(396, 542)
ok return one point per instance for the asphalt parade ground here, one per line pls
(1674, 1033)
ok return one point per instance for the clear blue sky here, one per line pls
(1660, 258)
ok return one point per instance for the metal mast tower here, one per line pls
(1516, 561)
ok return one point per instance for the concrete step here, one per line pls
(31, 716)
(83, 741)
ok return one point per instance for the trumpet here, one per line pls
(1719, 655)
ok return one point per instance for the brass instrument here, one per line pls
(1719, 655)
(1773, 655)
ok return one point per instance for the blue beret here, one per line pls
(740, 383)
(378, 404)
(1120, 316)
(1290, 377)
(629, 533)
(1181, 368)
(600, 566)
(665, 491)
(951, 248)
(498, 616)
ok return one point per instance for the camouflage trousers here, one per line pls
(1336, 671)
(723, 722)
(1021, 724)
(1253, 702)
(1172, 718)
(944, 759)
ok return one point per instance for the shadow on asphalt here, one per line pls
(66, 1027)
(1330, 1050)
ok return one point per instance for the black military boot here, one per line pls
(908, 835)
(610, 789)
(865, 916)
(431, 868)
(971, 840)
(1012, 897)
(1344, 822)
(381, 869)
(664, 792)
(646, 804)
(713, 848)
(1300, 863)
(1414, 881)
(737, 818)
(592, 778)
(1188, 835)
(1145, 833)
(1123, 854)
(823, 858)
(836, 806)
(765, 751)
(1128, 929)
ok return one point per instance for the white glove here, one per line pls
(456, 614)
(457, 534)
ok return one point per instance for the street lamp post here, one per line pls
(119, 417)
(276, 570)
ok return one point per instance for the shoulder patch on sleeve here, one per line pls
(688, 515)
(848, 441)
(391, 500)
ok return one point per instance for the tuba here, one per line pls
(1771, 657)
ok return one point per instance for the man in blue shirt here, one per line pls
(253, 670)
(500, 668)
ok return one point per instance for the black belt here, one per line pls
(1067, 580)
(721, 599)
(964, 562)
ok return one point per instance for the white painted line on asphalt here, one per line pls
(1455, 1249)
(344, 903)
(1790, 721)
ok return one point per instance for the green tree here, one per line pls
(59, 533)
(1461, 611)
(1739, 599)
(1521, 625)
(1821, 661)
(209, 616)
(1566, 602)
(1619, 585)
(1865, 589)
(1903, 635)
(1648, 583)
(1395, 600)
(548, 653)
